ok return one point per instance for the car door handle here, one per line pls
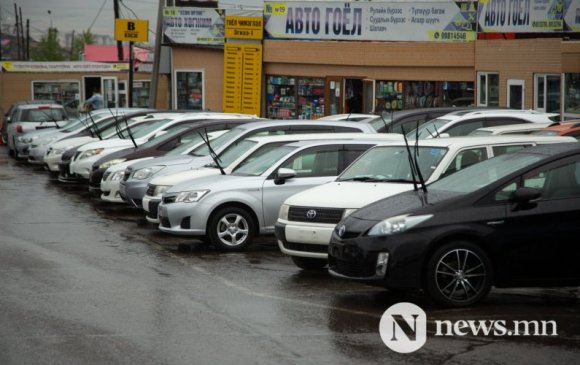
(495, 223)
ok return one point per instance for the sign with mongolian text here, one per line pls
(244, 27)
(193, 26)
(242, 78)
(520, 16)
(23, 66)
(131, 30)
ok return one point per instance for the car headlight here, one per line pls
(59, 151)
(397, 224)
(117, 175)
(147, 172)
(46, 140)
(348, 212)
(160, 189)
(91, 153)
(283, 213)
(110, 163)
(191, 196)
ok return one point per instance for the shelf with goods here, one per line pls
(389, 95)
(281, 97)
(310, 98)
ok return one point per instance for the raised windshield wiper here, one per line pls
(212, 153)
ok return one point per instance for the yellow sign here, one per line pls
(275, 9)
(131, 30)
(244, 27)
(242, 78)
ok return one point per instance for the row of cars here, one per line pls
(425, 209)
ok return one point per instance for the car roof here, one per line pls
(492, 112)
(285, 122)
(478, 141)
(353, 117)
(326, 136)
(564, 126)
(551, 149)
(215, 115)
(515, 127)
(312, 143)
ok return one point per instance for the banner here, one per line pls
(520, 16)
(57, 66)
(572, 15)
(193, 26)
(372, 21)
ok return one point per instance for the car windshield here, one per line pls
(164, 137)
(428, 129)
(135, 124)
(149, 128)
(381, 123)
(545, 133)
(192, 141)
(233, 151)
(484, 173)
(391, 164)
(72, 126)
(217, 143)
(257, 166)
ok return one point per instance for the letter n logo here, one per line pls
(403, 327)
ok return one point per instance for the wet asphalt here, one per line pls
(85, 282)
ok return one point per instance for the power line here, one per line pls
(96, 16)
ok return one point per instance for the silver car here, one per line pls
(229, 210)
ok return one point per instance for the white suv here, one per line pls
(306, 220)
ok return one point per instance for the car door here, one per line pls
(313, 166)
(540, 241)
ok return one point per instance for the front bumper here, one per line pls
(151, 206)
(65, 176)
(304, 239)
(95, 178)
(183, 219)
(52, 161)
(36, 155)
(22, 149)
(110, 190)
(82, 167)
(133, 191)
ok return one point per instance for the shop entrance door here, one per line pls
(515, 94)
(110, 92)
(334, 93)
(353, 96)
(547, 93)
(368, 96)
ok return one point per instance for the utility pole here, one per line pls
(22, 34)
(119, 43)
(156, 58)
(18, 46)
(27, 39)
(72, 45)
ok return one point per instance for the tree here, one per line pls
(79, 44)
(48, 48)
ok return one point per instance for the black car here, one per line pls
(185, 134)
(511, 221)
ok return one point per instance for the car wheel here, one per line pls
(309, 263)
(231, 229)
(458, 274)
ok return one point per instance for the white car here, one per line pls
(463, 122)
(306, 220)
(237, 153)
(523, 128)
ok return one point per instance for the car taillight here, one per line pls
(18, 128)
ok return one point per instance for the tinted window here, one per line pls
(311, 163)
(500, 150)
(464, 128)
(352, 152)
(465, 159)
(557, 183)
(492, 122)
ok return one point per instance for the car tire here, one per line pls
(4, 139)
(231, 229)
(458, 274)
(309, 263)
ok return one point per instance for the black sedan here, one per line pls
(511, 221)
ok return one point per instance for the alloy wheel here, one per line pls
(460, 275)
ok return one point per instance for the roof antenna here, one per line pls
(212, 153)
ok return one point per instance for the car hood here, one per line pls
(72, 142)
(179, 177)
(109, 143)
(173, 160)
(217, 183)
(346, 194)
(121, 166)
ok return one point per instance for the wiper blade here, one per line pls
(363, 178)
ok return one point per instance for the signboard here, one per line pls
(242, 78)
(22, 66)
(193, 26)
(572, 15)
(371, 21)
(131, 30)
(520, 16)
(244, 27)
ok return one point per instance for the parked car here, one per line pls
(352, 117)
(522, 128)
(403, 121)
(229, 210)
(189, 134)
(511, 221)
(306, 220)
(9, 113)
(241, 152)
(30, 117)
(137, 176)
(461, 123)
(567, 128)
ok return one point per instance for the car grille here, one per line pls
(306, 247)
(106, 175)
(354, 269)
(68, 155)
(169, 199)
(315, 215)
(186, 223)
(77, 154)
(350, 234)
(126, 175)
(165, 222)
(150, 190)
(153, 210)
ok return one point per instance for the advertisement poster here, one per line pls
(521, 16)
(361, 21)
(193, 26)
(572, 15)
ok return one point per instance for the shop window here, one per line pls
(572, 96)
(295, 97)
(141, 94)
(62, 92)
(547, 93)
(488, 89)
(189, 90)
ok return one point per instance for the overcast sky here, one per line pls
(78, 15)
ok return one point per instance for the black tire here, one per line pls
(236, 234)
(309, 263)
(4, 139)
(458, 274)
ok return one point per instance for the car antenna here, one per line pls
(212, 153)
(130, 133)
(416, 159)
(412, 165)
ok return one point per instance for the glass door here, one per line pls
(515, 94)
(110, 92)
(334, 100)
(368, 96)
(547, 93)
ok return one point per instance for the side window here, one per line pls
(497, 121)
(500, 150)
(314, 163)
(464, 128)
(310, 129)
(505, 193)
(352, 152)
(267, 132)
(410, 124)
(346, 130)
(465, 159)
(560, 182)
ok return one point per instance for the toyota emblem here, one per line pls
(341, 231)
(311, 214)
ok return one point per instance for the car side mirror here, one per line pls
(282, 175)
(525, 198)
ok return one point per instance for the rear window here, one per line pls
(41, 115)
